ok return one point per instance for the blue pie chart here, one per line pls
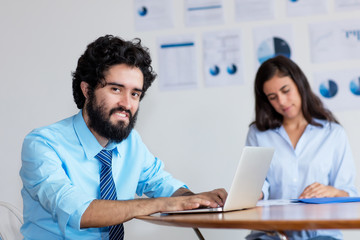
(214, 71)
(232, 69)
(328, 89)
(142, 11)
(355, 86)
(273, 47)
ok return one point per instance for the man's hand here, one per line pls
(318, 190)
(216, 197)
(213, 198)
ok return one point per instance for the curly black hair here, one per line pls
(102, 54)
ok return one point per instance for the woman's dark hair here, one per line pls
(266, 116)
(102, 54)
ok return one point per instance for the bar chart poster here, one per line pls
(272, 41)
(338, 90)
(177, 62)
(334, 41)
(203, 12)
(222, 54)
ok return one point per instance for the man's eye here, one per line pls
(136, 94)
(116, 89)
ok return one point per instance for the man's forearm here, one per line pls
(102, 213)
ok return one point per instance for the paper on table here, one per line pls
(274, 202)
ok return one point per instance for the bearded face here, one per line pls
(99, 120)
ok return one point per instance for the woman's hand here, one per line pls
(318, 190)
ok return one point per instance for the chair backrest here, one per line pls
(11, 220)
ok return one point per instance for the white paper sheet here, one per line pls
(153, 14)
(222, 58)
(246, 10)
(203, 12)
(306, 7)
(347, 5)
(275, 202)
(332, 41)
(338, 90)
(177, 62)
(270, 41)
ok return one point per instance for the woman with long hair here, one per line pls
(312, 156)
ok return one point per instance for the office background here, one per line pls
(198, 133)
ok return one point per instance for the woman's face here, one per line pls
(284, 96)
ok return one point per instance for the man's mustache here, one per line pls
(121, 109)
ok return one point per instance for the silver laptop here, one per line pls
(246, 187)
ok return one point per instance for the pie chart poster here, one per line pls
(271, 41)
(223, 65)
(338, 90)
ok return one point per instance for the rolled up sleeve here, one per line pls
(45, 180)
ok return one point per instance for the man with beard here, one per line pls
(64, 191)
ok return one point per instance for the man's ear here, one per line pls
(85, 89)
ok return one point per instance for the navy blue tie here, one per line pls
(108, 190)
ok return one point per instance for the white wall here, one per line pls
(197, 133)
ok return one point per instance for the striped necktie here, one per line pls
(108, 190)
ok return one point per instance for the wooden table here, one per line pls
(276, 218)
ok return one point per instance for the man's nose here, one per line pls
(125, 101)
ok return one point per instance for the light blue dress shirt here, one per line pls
(321, 155)
(61, 177)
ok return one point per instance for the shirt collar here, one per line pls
(89, 142)
(309, 127)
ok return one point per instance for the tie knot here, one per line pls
(105, 157)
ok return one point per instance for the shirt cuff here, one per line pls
(75, 218)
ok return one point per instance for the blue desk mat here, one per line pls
(328, 200)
